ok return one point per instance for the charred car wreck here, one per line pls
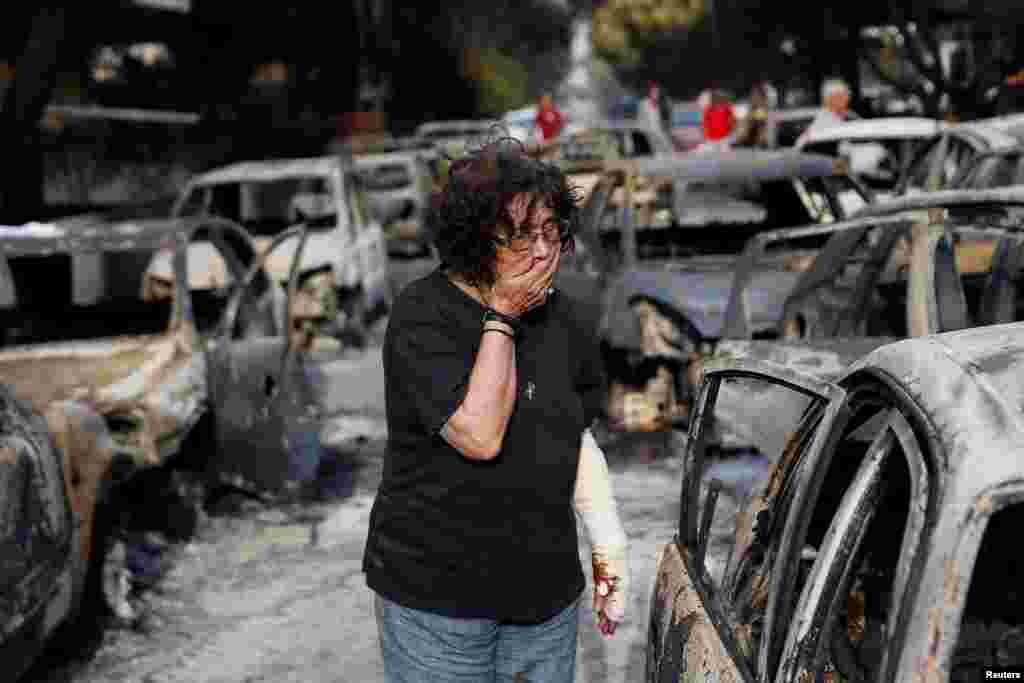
(931, 263)
(875, 549)
(666, 235)
(225, 386)
(819, 296)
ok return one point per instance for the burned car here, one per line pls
(43, 569)
(226, 388)
(398, 182)
(673, 253)
(347, 255)
(876, 547)
(819, 296)
(931, 263)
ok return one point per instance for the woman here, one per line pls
(491, 382)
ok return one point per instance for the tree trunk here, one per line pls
(49, 46)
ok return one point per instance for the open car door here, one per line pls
(266, 426)
(719, 606)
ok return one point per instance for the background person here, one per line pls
(549, 119)
(835, 106)
(491, 383)
(719, 123)
(756, 129)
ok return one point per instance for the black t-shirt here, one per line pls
(493, 539)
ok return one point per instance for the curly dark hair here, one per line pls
(470, 212)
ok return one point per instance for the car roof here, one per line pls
(1002, 152)
(735, 165)
(615, 125)
(877, 129)
(410, 143)
(991, 137)
(971, 386)
(457, 125)
(1012, 195)
(795, 113)
(269, 170)
(371, 159)
(869, 215)
(93, 232)
(1011, 124)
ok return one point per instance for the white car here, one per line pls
(942, 162)
(345, 261)
(398, 184)
(453, 136)
(879, 150)
(521, 124)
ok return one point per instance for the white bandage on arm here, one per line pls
(595, 504)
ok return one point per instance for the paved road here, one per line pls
(276, 594)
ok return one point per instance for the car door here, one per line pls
(370, 249)
(716, 608)
(863, 552)
(262, 412)
(979, 600)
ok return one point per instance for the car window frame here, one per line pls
(962, 153)
(964, 555)
(831, 183)
(923, 161)
(690, 513)
(806, 638)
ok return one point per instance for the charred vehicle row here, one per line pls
(821, 295)
(665, 236)
(126, 378)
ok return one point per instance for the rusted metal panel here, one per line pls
(158, 383)
(88, 451)
(944, 199)
(684, 641)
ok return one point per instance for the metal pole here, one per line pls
(716, 40)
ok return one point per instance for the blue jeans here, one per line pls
(423, 647)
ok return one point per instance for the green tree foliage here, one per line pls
(502, 81)
(625, 30)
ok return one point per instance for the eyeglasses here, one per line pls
(553, 232)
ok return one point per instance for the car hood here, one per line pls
(699, 292)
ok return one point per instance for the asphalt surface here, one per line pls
(275, 593)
